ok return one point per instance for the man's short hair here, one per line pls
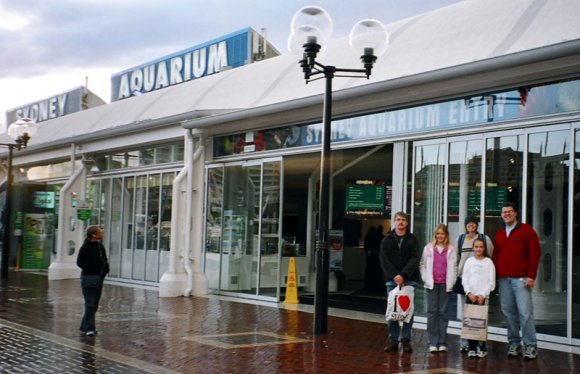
(92, 230)
(402, 214)
(509, 204)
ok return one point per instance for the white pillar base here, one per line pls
(199, 284)
(63, 270)
(172, 284)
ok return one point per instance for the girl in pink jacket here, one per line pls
(439, 273)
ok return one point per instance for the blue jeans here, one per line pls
(393, 326)
(517, 307)
(92, 295)
(437, 319)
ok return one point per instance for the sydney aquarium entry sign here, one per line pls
(227, 52)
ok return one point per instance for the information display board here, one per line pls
(365, 198)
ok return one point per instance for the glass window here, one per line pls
(138, 157)
(429, 190)
(130, 227)
(165, 221)
(115, 227)
(213, 224)
(464, 195)
(152, 233)
(576, 244)
(503, 177)
(48, 171)
(547, 209)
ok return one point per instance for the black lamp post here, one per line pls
(21, 130)
(311, 26)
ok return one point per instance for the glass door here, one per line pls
(241, 221)
(269, 230)
(547, 211)
(429, 181)
(465, 179)
(243, 228)
(575, 255)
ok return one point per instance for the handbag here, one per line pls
(91, 281)
(474, 323)
(458, 286)
(400, 304)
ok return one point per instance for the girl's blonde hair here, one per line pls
(443, 228)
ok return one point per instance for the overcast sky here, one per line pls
(49, 47)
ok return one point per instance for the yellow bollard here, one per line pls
(291, 285)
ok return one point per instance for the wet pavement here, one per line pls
(138, 332)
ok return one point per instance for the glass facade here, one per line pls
(532, 169)
(446, 178)
(139, 157)
(136, 214)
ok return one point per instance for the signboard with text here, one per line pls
(227, 52)
(365, 198)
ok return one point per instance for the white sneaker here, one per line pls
(514, 350)
(531, 352)
(442, 348)
(471, 354)
(432, 349)
(481, 354)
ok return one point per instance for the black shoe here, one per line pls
(407, 347)
(391, 347)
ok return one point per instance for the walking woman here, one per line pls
(438, 273)
(92, 259)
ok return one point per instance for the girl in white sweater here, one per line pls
(478, 281)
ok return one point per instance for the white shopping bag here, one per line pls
(400, 304)
(474, 323)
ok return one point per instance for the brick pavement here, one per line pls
(141, 333)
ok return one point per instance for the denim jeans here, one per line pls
(517, 307)
(393, 326)
(92, 295)
(437, 319)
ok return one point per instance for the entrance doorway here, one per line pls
(361, 187)
(243, 228)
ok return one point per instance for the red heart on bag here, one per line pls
(404, 302)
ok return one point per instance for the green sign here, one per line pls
(365, 198)
(37, 241)
(84, 214)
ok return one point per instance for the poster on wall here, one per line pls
(365, 198)
(36, 241)
(335, 237)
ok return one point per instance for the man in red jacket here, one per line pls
(516, 258)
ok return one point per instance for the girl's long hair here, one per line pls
(443, 228)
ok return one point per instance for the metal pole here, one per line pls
(6, 216)
(322, 252)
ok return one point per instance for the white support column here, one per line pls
(198, 280)
(174, 281)
(70, 229)
(184, 276)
